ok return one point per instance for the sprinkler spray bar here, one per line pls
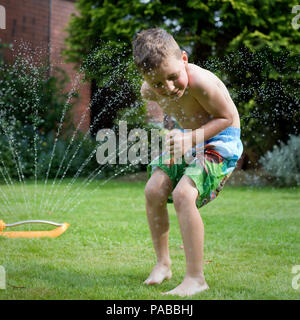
(34, 221)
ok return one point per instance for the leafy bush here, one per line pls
(30, 94)
(265, 88)
(26, 153)
(283, 162)
(32, 102)
(70, 157)
(136, 118)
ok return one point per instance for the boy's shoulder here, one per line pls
(199, 76)
(202, 81)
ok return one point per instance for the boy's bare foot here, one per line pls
(188, 287)
(159, 273)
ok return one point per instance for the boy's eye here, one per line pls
(157, 85)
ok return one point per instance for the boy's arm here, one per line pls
(216, 103)
(147, 93)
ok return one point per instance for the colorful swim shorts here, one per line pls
(210, 166)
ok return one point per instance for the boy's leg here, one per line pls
(192, 232)
(157, 190)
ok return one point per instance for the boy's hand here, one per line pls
(178, 143)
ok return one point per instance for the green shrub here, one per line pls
(32, 103)
(25, 154)
(283, 162)
(30, 94)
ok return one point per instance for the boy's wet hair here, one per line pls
(151, 47)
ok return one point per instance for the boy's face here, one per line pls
(170, 79)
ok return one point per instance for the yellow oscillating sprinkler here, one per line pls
(61, 228)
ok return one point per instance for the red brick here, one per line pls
(34, 29)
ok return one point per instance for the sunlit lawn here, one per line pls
(252, 241)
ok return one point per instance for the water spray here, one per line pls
(61, 228)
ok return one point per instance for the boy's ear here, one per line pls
(184, 56)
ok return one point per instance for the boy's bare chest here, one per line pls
(186, 110)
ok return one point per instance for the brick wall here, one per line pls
(61, 11)
(40, 23)
(26, 20)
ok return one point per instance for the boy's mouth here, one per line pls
(178, 93)
(172, 94)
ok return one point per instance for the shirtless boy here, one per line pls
(199, 101)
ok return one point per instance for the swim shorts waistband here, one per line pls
(230, 131)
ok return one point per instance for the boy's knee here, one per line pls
(178, 196)
(159, 186)
(182, 198)
(154, 193)
(150, 190)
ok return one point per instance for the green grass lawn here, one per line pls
(252, 241)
